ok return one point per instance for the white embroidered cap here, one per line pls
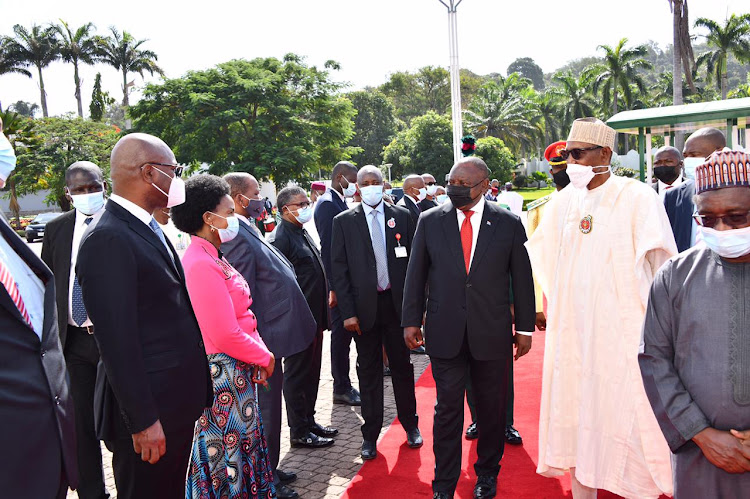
(592, 131)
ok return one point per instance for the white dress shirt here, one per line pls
(476, 226)
(141, 215)
(663, 188)
(381, 218)
(29, 285)
(78, 230)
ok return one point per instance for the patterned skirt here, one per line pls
(230, 458)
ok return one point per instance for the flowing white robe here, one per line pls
(594, 412)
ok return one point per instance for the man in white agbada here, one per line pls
(595, 254)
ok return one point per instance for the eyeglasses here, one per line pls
(735, 220)
(577, 153)
(177, 169)
(304, 204)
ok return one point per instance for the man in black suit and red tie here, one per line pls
(466, 256)
(370, 252)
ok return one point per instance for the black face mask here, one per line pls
(561, 178)
(460, 195)
(667, 174)
(255, 208)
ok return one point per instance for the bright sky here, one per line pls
(369, 38)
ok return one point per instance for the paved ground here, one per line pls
(324, 473)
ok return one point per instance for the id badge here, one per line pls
(400, 251)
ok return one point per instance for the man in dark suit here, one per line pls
(36, 410)
(284, 320)
(414, 193)
(371, 244)
(466, 256)
(429, 201)
(667, 170)
(679, 201)
(330, 204)
(153, 381)
(302, 370)
(85, 188)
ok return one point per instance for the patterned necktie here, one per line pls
(12, 288)
(378, 247)
(467, 235)
(79, 309)
(157, 230)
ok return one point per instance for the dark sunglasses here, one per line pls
(577, 153)
(735, 220)
(177, 169)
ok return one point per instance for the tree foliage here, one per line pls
(731, 38)
(78, 46)
(498, 157)
(526, 67)
(426, 146)
(278, 119)
(374, 126)
(414, 94)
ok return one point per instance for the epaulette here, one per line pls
(539, 202)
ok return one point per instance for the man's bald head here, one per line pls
(239, 182)
(473, 166)
(369, 174)
(469, 173)
(667, 152)
(412, 185)
(704, 142)
(85, 168)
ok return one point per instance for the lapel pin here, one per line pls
(391, 223)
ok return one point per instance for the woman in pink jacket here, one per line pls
(229, 457)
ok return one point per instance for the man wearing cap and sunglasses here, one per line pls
(595, 254)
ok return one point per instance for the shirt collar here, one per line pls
(81, 217)
(133, 208)
(369, 209)
(680, 180)
(242, 217)
(334, 191)
(478, 209)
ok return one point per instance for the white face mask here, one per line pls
(441, 198)
(421, 194)
(690, 164)
(350, 189)
(431, 190)
(372, 195)
(303, 215)
(732, 243)
(88, 204)
(232, 229)
(176, 190)
(7, 159)
(581, 176)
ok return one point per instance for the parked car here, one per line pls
(35, 229)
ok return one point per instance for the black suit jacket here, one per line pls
(284, 320)
(426, 204)
(56, 249)
(355, 277)
(328, 206)
(414, 210)
(153, 363)
(680, 208)
(477, 304)
(38, 428)
(300, 250)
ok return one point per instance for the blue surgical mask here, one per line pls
(88, 204)
(232, 229)
(389, 191)
(690, 164)
(303, 215)
(441, 198)
(350, 189)
(372, 195)
(7, 158)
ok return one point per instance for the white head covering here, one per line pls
(592, 131)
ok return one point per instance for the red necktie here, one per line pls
(10, 285)
(467, 234)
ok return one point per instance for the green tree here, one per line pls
(124, 53)
(78, 47)
(278, 119)
(414, 94)
(39, 47)
(374, 125)
(9, 64)
(28, 109)
(498, 157)
(550, 112)
(426, 146)
(526, 67)
(577, 102)
(731, 38)
(620, 69)
(20, 132)
(100, 100)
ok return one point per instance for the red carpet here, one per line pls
(403, 473)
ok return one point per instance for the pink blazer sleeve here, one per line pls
(216, 316)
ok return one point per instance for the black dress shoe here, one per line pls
(472, 432)
(419, 350)
(442, 495)
(286, 492)
(414, 438)
(323, 431)
(350, 397)
(486, 487)
(312, 441)
(512, 436)
(286, 476)
(369, 450)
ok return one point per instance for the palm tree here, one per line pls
(77, 47)
(9, 64)
(683, 60)
(123, 52)
(576, 100)
(19, 130)
(549, 107)
(38, 46)
(732, 38)
(617, 72)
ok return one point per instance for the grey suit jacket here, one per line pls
(284, 319)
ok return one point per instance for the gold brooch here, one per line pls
(586, 224)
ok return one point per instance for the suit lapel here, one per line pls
(271, 248)
(360, 220)
(390, 235)
(452, 236)
(66, 246)
(486, 231)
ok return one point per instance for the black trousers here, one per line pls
(137, 479)
(82, 357)
(489, 382)
(509, 404)
(386, 332)
(269, 401)
(341, 340)
(301, 379)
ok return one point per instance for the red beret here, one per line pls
(318, 186)
(552, 153)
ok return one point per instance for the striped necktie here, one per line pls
(76, 300)
(12, 288)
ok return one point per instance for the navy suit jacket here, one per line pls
(284, 319)
(679, 205)
(328, 206)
